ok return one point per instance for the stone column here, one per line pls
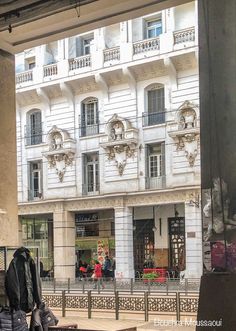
(193, 241)
(124, 242)
(64, 244)
(8, 179)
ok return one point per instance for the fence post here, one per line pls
(149, 286)
(186, 285)
(54, 285)
(68, 285)
(177, 306)
(167, 285)
(114, 284)
(146, 306)
(83, 285)
(117, 304)
(63, 303)
(132, 286)
(89, 304)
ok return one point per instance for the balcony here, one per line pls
(33, 135)
(183, 36)
(89, 130)
(155, 182)
(90, 189)
(146, 45)
(153, 118)
(112, 54)
(24, 77)
(35, 195)
(50, 70)
(80, 62)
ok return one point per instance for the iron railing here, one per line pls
(155, 182)
(34, 134)
(175, 304)
(35, 195)
(89, 130)
(90, 189)
(153, 118)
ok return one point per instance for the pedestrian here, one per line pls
(107, 267)
(97, 275)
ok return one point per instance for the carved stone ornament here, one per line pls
(186, 132)
(120, 141)
(61, 151)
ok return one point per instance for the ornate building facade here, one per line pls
(108, 146)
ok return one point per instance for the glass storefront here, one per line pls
(38, 232)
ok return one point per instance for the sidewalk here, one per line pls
(112, 325)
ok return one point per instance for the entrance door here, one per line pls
(143, 243)
(177, 242)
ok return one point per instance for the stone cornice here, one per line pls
(109, 201)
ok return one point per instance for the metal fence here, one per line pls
(175, 304)
(121, 285)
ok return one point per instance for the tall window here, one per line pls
(91, 173)
(34, 128)
(155, 165)
(87, 45)
(155, 106)
(35, 180)
(153, 28)
(89, 117)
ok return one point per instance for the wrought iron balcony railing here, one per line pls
(89, 130)
(34, 195)
(34, 134)
(90, 189)
(153, 118)
(155, 182)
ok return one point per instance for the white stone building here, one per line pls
(108, 145)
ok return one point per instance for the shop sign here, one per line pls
(82, 218)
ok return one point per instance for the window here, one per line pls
(153, 28)
(34, 128)
(86, 46)
(155, 158)
(35, 180)
(91, 173)
(89, 117)
(155, 106)
(30, 63)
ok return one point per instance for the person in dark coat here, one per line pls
(23, 286)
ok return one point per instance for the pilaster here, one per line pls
(64, 244)
(124, 242)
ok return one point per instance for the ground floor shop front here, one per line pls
(137, 233)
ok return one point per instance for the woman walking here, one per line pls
(97, 275)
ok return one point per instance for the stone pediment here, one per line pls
(61, 150)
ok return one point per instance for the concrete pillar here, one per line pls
(193, 241)
(126, 47)
(64, 244)
(124, 242)
(8, 179)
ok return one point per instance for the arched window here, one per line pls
(89, 117)
(34, 128)
(155, 113)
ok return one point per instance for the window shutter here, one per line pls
(163, 161)
(83, 123)
(84, 170)
(147, 153)
(160, 100)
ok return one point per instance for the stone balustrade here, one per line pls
(184, 35)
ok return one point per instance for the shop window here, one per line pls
(86, 225)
